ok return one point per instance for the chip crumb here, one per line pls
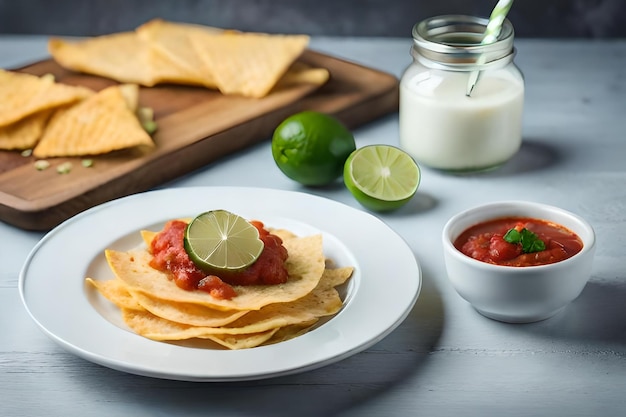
(26, 153)
(64, 168)
(87, 163)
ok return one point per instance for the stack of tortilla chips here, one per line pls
(63, 120)
(243, 63)
(154, 307)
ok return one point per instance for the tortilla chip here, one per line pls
(283, 234)
(154, 307)
(242, 341)
(134, 57)
(186, 313)
(130, 93)
(337, 276)
(322, 301)
(100, 124)
(143, 322)
(120, 56)
(24, 95)
(301, 73)
(159, 51)
(116, 292)
(249, 64)
(169, 43)
(25, 133)
(305, 266)
(289, 332)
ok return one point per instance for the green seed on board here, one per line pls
(41, 165)
(64, 168)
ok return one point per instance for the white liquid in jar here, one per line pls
(444, 129)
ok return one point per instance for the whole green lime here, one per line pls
(311, 147)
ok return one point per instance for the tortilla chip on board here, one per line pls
(120, 56)
(103, 123)
(301, 73)
(25, 133)
(24, 95)
(170, 45)
(243, 63)
(246, 63)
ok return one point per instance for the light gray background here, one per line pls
(531, 18)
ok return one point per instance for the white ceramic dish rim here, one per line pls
(484, 212)
(75, 324)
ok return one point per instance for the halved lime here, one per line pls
(218, 241)
(381, 177)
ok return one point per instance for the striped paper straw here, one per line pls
(490, 36)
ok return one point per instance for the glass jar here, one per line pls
(442, 126)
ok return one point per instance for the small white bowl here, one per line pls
(518, 294)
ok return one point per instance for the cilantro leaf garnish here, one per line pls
(530, 241)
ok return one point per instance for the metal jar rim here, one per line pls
(455, 41)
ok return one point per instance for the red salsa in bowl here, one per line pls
(519, 242)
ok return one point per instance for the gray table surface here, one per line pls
(444, 359)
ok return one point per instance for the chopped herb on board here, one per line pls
(530, 241)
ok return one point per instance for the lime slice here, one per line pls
(218, 241)
(381, 177)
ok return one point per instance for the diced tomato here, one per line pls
(485, 242)
(169, 255)
(501, 250)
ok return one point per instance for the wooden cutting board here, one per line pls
(195, 127)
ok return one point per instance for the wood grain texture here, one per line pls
(195, 127)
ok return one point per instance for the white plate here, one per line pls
(381, 292)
